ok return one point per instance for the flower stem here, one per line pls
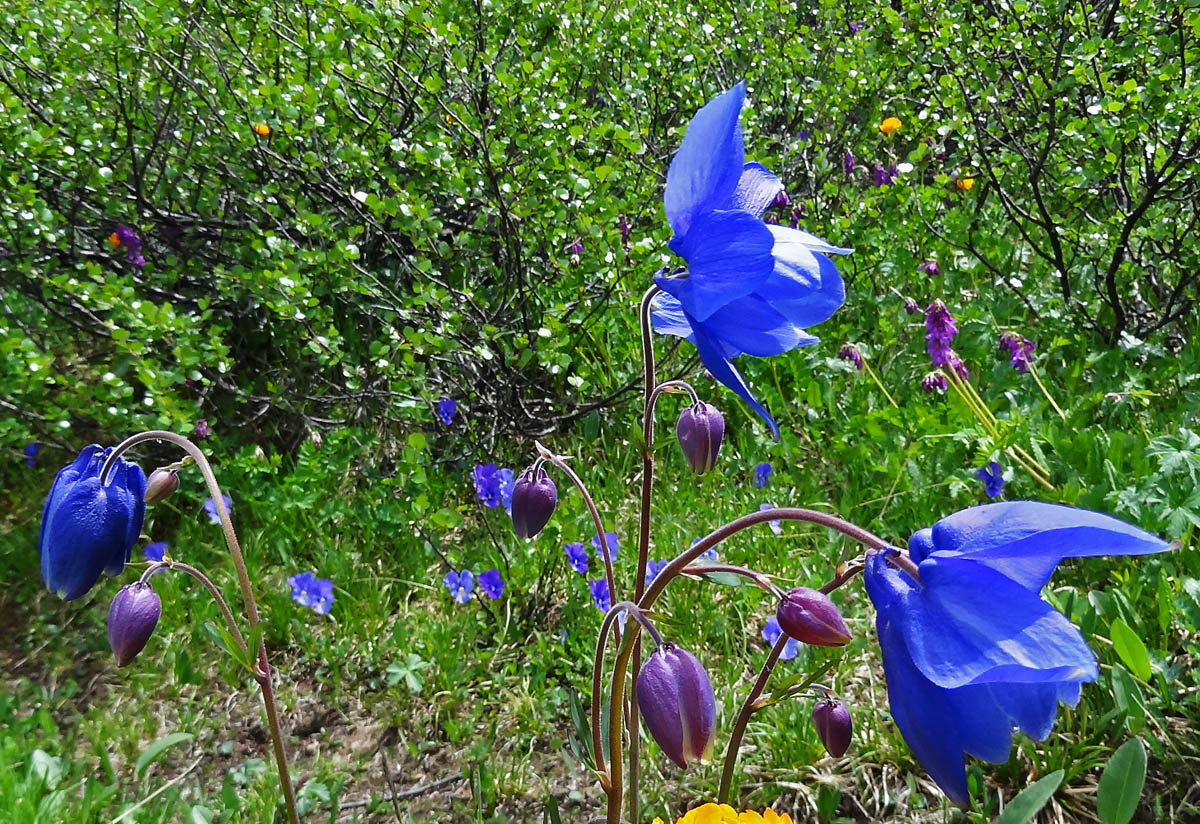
(234, 630)
(262, 672)
(739, 726)
(879, 383)
(1037, 378)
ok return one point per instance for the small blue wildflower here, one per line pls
(708, 554)
(154, 552)
(600, 595)
(776, 526)
(762, 474)
(310, 591)
(445, 410)
(460, 585)
(210, 506)
(577, 556)
(992, 476)
(771, 632)
(611, 538)
(507, 483)
(31, 451)
(491, 583)
(653, 568)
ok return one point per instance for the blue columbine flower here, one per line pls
(31, 451)
(776, 526)
(310, 591)
(577, 556)
(89, 528)
(971, 651)
(491, 583)
(750, 288)
(446, 408)
(771, 632)
(154, 552)
(600, 594)
(210, 506)
(992, 476)
(460, 585)
(762, 474)
(611, 538)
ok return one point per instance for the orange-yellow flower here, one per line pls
(965, 183)
(262, 129)
(724, 814)
(114, 240)
(889, 125)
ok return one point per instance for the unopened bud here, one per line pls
(160, 484)
(131, 620)
(699, 430)
(834, 726)
(675, 697)
(533, 500)
(810, 616)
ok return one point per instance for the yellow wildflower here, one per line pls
(750, 817)
(114, 240)
(965, 183)
(772, 817)
(724, 814)
(262, 129)
(889, 125)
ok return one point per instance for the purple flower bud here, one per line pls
(810, 616)
(131, 620)
(160, 484)
(534, 497)
(911, 306)
(675, 697)
(700, 429)
(834, 726)
(576, 247)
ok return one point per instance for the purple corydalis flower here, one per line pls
(933, 382)
(31, 451)
(577, 557)
(126, 236)
(154, 552)
(600, 594)
(771, 632)
(776, 526)
(491, 583)
(1019, 350)
(611, 539)
(911, 306)
(576, 247)
(849, 352)
(885, 177)
(957, 366)
(992, 476)
(856, 26)
(930, 267)
(210, 507)
(781, 198)
(446, 408)
(202, 430)
(310, 591)
(848, 163)
(460, 585)
(939, 332)
(762, 474)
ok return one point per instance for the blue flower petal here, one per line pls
(756, 190)
(668, 318)
(1025, 540)
(751, 325)
(722, 369)
(705, 171)
(728, 256)
(805, 285)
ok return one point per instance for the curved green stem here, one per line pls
(743, 719)
(230, 621)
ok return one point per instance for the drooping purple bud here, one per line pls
(675, 697)
(834, 726)
(160, 484)
(911, 306)
(131, 620)
(534, 497)
(700, 429)
(810, 616)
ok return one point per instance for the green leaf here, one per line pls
(1131, 649)
(1031, 799)
(151, 753)
(1121, 783)
(45, 768)
(728, 579)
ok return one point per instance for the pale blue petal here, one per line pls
(668, 318)
(728, 256)
(722, 369)
(753, 326)
(803, 285)
(756, 190)
(705, 171)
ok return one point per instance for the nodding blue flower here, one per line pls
(992, 476)
(210, 506)
(653, 568)
(491, 583)
(856, 26)
(577, 557)
(601, 597)
(611, 539)
(310, 591)
(930, 267)
(911, 306)
(576, 247)
(776, 526)
(957, 366)
(88, 527)
(762, 474)
(460, 585)
(749, 288)
(446, 407)
(940, 330)
(771, 632)
(708, 554)
(154, 552)
(1019, 350)
(31, 451)
(970, 649)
